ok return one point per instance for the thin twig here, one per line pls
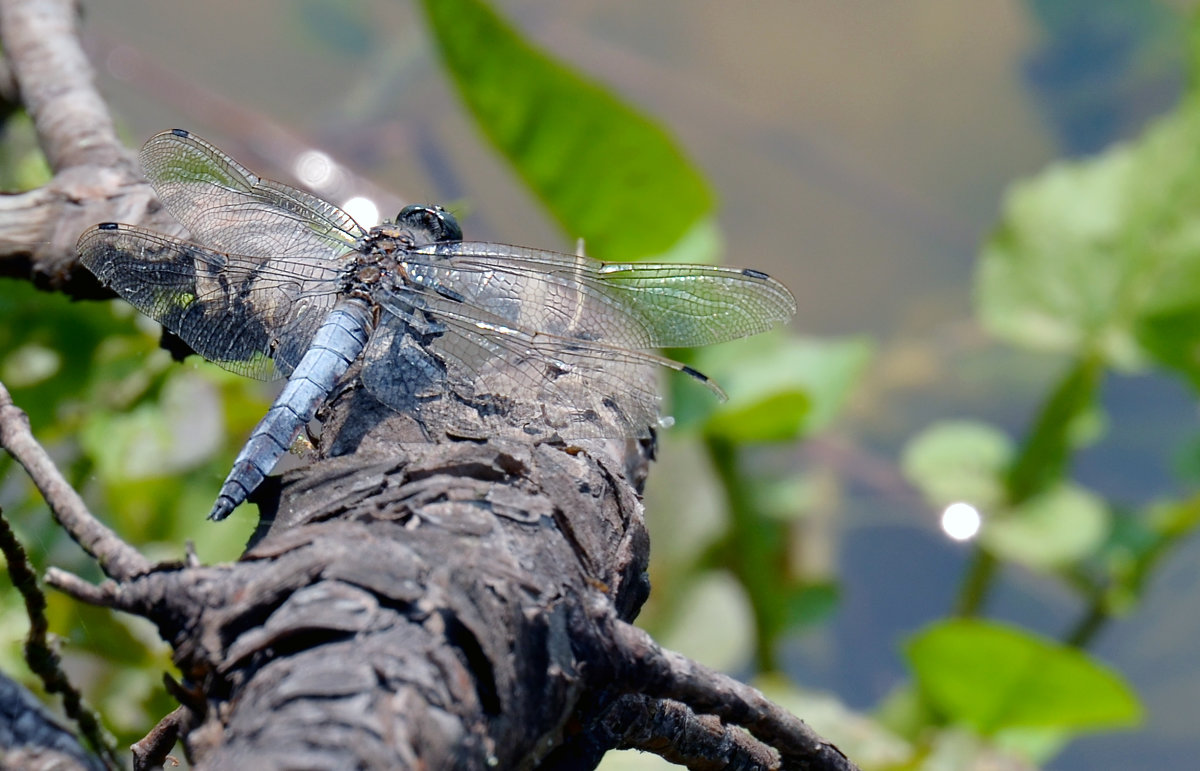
(40, 654)
(117, 559)
(55, 81)
(648, 668)
(673, 731)
(96, 178)
(103, 596)
(152, 750)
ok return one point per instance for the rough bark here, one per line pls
(32, 739)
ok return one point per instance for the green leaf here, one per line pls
(781, 388)
(959, 461)
(994, 677)
(775, 417)
(1055, 528)
(1102, 257)
(608, 173)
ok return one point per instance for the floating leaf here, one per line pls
(994, 677)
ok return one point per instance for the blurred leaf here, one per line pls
(955, 748)
(810, 603)
(956, 461)
(1138, 542)
(1102, 258)
(40, 324)
(607, 173)
(994, 677)
(871, 743)
(1053, 529)
(29, 365)
(776, 417)
(793, 496)
(725, 645)
(22, 165)
(178, 432)
(1170, 335)
(781, 388)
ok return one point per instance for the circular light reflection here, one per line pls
(363, 210)
(961, 521)
(313, 167)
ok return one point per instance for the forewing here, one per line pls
(248, 315)
(228, 208)
(629, 305)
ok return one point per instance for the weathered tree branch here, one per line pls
(95, 177)
(460, 604)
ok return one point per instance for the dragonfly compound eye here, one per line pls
(431, 224)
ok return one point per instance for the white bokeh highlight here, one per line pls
(961, 521)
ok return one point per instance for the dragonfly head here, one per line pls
(429, 224)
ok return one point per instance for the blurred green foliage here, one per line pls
(1097, 261)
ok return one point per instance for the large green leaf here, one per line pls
(608, 173)
(994, 677)
(1102, 258)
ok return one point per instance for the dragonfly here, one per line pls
(470, 339)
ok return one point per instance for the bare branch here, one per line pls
(102, 596)
(118, 559)
(151, 751)
(95, 178)
(650, 669)
(55, 82)
(672, 730)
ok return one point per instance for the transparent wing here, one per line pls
(228, 208)
(628, 305)
(248, 315)
(508, 376)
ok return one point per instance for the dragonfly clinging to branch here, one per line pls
(470, 339)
